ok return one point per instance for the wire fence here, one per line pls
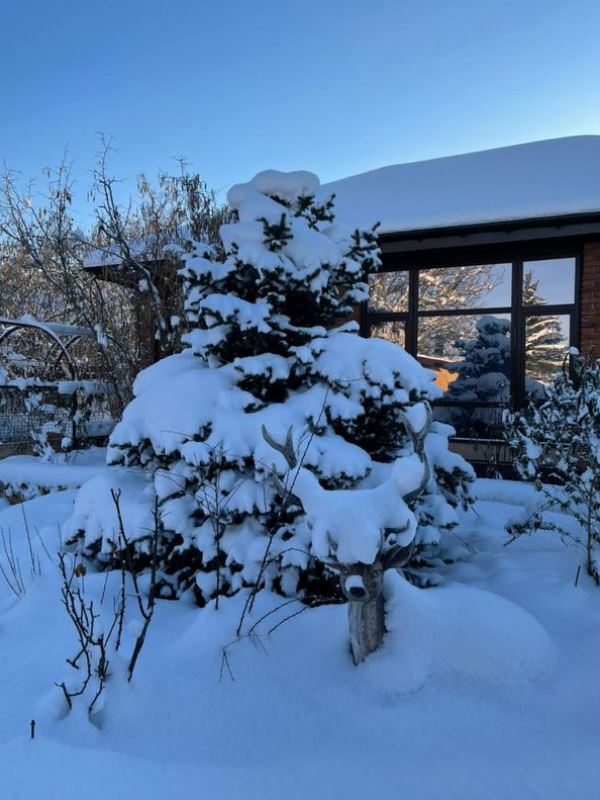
(50, 394)
(34, 415)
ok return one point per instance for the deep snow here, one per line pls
(524, 181)
(70, 473)
(487, 686)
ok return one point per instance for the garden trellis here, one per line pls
(49, 386)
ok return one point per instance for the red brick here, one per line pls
(590, 300)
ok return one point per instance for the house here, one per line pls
(491, 267)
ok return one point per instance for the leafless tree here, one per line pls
(44, 250)
(45, 259)
(146, 236)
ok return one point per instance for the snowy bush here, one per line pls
(556, 446)
(267, 349)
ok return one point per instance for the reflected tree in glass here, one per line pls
(546, 338)
(393, 331)
(388, 291)
(474, 286)
(554, 280)
(456, 288)
(483, 377)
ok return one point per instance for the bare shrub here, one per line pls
(43, 254)
(91, 660)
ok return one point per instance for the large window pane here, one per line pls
(472, 421)
(393, 331)
(546, 345)
(475, 351)
(475, 286)
(388, 291)
(549, 281)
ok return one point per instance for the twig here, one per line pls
(93, 646)
(146, 608)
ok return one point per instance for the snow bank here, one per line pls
(299, 720)
(29, 470)
(455, 631)
(517, 493)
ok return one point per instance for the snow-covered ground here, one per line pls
(487, 688)
(75, 468)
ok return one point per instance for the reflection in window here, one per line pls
(447, 337)
(549, 281)
(388, 291)
(450, 288)
(471, 422)
(468, 349)
(482, 361)
(392, 331)
(481, 369)
(437, 336)
(546, 345)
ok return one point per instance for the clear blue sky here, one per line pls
(336, 87)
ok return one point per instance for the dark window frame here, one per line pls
(516, 255)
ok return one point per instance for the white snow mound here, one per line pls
(453, 631)
(286, 185)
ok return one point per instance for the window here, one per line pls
(549, 281)
(453, 288)
(393, 331)
(388, 291)
(494, 332)
(546, 347)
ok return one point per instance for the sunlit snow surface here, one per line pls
(524, 181)
(487, 686)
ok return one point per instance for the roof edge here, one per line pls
(557, 220)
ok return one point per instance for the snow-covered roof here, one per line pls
(526, 181)
(110, 255)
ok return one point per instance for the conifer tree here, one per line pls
(268, 355)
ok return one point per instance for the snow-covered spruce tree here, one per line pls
(483, 376)
(266, 350)
(555, 443)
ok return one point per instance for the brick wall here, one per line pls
(590, 300)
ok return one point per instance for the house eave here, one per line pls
(584, 225)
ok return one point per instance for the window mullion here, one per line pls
(413, 311)
(517, 355)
